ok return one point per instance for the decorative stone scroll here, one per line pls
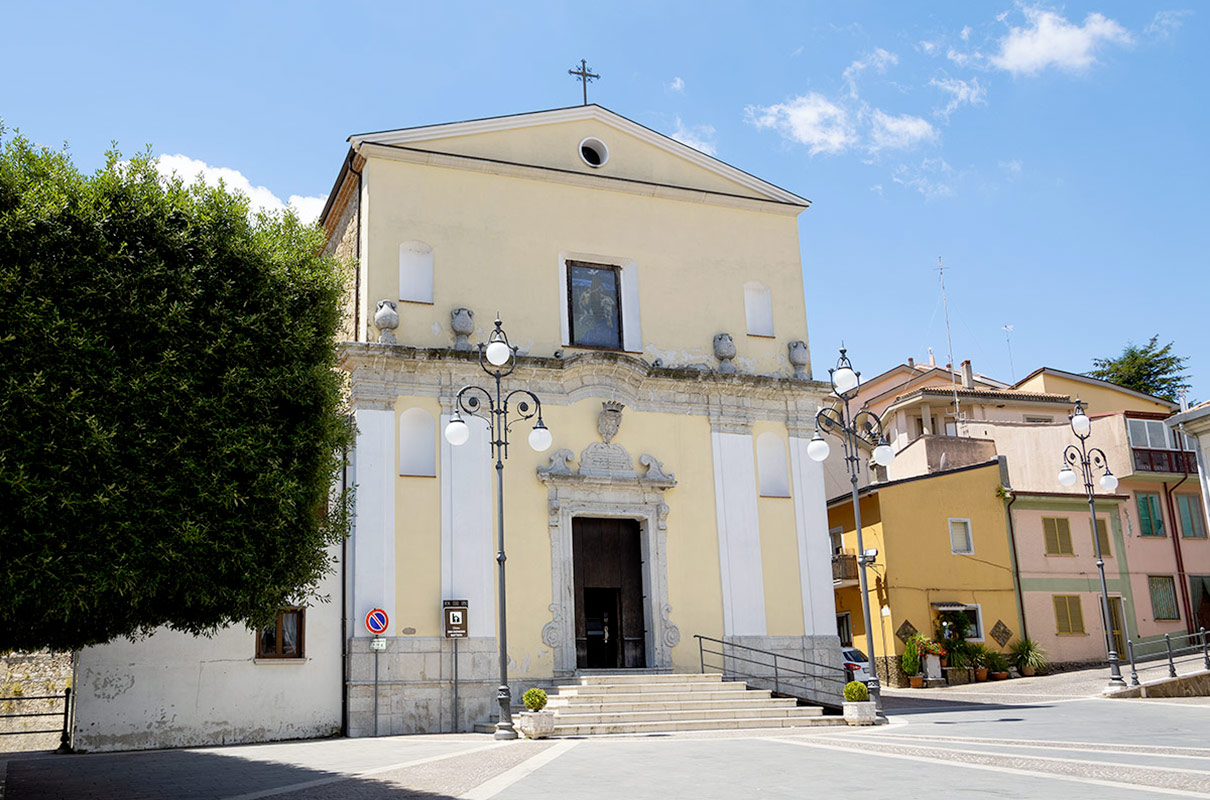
(605, 484)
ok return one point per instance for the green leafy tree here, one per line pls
(170, 407)
(1151, 370)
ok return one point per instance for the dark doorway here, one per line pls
(607, 564)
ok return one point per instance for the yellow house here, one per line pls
(943, 546)
(654, 297)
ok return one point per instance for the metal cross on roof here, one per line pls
(584, 76)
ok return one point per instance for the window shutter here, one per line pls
(1075, 613)
(1102, 534)
(960, 536)
(1050, 531)
(1063, 527)
(1062, 619)
(1146, 520)
(1163, 597)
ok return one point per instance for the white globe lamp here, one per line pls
(1067, 477)
(1109, 482)
(818, 449)
(1081, 424)
(883, 454)
(540, 438)
(457, 432)
(845, 380)
(498, 353)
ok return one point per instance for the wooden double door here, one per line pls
(607, 565)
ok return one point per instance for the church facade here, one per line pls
(654, 296)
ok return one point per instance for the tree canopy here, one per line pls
(170, 407)
(1150, 369)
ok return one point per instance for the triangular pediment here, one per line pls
(552, 140)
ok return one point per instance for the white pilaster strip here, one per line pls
(374, 540)
(468, 553)
(814, 546)
(738, 535)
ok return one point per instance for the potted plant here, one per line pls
(858, 708)
(997, 665)
(1028, 657)
(931, 652)
(910, 660)
(535, 723)
(979, 654)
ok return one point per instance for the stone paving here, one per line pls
(1027, 738)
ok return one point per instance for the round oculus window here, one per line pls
(594, 152)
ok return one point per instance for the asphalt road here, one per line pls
(1028, 738)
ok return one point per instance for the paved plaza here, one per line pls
(1028, 738)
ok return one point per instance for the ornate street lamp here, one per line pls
(862, 427)
(498, 358)
(1087, 460)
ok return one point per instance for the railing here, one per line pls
(1170, 648)
(785, 675)
(844, 567)
(64, 730)
(1177, 461)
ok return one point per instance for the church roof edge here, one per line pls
(399, 136)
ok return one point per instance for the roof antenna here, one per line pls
(1008, 329)
(950, 341)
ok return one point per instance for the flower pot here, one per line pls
(536, 724)
(980, 673)
(916, 681)
(1028, 672)
(999, 676)
(860, 713)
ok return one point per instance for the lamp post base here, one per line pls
(504, 731)
(504, 728)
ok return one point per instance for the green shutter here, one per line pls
(1163, 597)
(1150, 519)
(1192, 525)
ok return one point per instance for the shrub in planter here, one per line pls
(856, 692)
(534, 699)
(1028, 657)
(997, 664)
(910, 658)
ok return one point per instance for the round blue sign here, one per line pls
(376, 621)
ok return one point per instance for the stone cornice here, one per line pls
(381, 372)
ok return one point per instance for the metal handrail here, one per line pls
(63, 730)
(783, 674)
(1199, 641)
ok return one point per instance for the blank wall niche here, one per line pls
(771, 465)
(758, 308)
(417, 444)
(416, 272)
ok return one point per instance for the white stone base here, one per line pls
(860, 713)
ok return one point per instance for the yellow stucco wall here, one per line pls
(909, 524)
(497, 242)
(1098, 399)
(779, 549)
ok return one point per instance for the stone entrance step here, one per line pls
(615, 703)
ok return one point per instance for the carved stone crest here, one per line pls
(609, 420)
(462, 320)
(724, 351)
(386, 318)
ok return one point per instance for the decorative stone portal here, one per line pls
(606, 486)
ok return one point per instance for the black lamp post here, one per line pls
(864, 426)
(1089, 460)
(498, 358)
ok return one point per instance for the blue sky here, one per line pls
(1054, 155)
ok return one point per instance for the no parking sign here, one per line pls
(377, 621)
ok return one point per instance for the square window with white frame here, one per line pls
(960, 537)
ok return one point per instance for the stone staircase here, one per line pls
(651, 703)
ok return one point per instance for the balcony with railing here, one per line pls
(844, 570)
(1147, 459)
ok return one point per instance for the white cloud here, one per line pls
(960, 58)
(1166, 23)
(877, 189)
(878, 60)
(933, 178)
(966, 33)
(260, 198)
(898, 133)
(1011, 167)
(960, 92)
(677, 85)
(1048, 39)
(810, 119)
(699, 137)
(928, 48)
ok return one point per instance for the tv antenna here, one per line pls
(950, 341)
(1008, 329)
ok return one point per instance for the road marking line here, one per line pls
(1036, 758)
(493, 787)
(1141, 749)
(1009, 770)
(295, 787)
